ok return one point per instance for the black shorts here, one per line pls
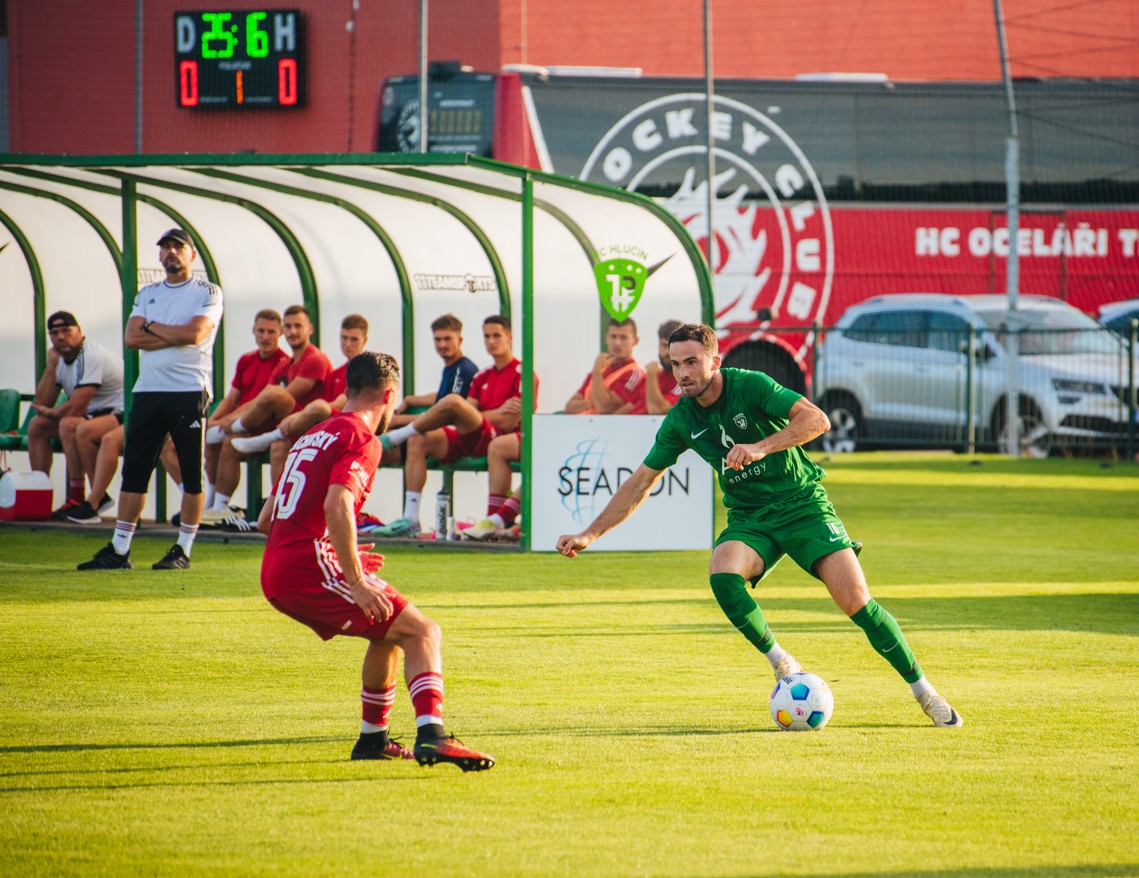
(153, 416)
(98, 413)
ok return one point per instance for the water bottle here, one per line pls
(442, 514)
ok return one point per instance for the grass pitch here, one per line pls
(174, 724)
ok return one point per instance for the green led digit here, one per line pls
(217, 31)
(256, 39)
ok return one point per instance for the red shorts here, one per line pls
(328, 609)
(472, 444)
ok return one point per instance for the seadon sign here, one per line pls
(579, 462)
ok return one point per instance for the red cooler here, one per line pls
(25, 496)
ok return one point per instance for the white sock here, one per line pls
(124, 533)
(776, 654)
(211, 491)
(221, 502)
(411, 505)
(238, 427)
(186, 534)
(215, 435)
(367, 728)
(274, 434)
(401, 434)
(921, 687)
(498, 520)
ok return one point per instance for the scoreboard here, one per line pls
(237, 60)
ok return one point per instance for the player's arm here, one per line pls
(226, 406)
(74, 406)
(265, 519)
(47, 388)
(606, 401)
(299, 386)
(624, 503)
(655, 401)
(507, 416)
(341, 521)
(420, 400)
(805, 422)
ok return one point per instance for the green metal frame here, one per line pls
(38, 295)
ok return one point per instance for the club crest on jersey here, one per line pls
(774, 243)
(740, 420)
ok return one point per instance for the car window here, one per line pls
(1122, 323)
(947, 332)
(862, 329)
(906, 328)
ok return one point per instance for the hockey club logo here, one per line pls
(774, 243)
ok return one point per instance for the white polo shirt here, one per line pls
(185, 367)
(97, 367)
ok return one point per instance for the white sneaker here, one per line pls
(252, 444)
(480, 530)
(786, 666)
(938, 710)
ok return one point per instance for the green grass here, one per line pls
(174, 724)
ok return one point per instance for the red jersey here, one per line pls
(339, 451)
(337, 383)
(669, 386)
(491, 387)
(627, 380)
(312, 364)
(253, 372)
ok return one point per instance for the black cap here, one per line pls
(61, 319)
(178, 235)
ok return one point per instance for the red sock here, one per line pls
(377, 705)
(492, 504)
(75, 490)
(427, 698)
(509, 510)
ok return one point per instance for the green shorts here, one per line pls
(802, 524)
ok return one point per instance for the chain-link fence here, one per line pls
(897, 379)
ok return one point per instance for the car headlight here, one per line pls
(1067, 385)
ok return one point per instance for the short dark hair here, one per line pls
(697, 332)
(298, 309)
(667, 329)
(267, 314)
(371, 371)
(355, 321)
(628, 321)
(447, 321)
(500, 319)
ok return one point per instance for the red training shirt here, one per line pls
(492, 387)
(312, 364)
(627, 380)
(253, 372)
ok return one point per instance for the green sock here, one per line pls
(886, 637)
(741, 610)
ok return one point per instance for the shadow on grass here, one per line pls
(169, 745)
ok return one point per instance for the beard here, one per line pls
(382, 425)
(694, 389)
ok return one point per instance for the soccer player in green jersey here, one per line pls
(751, 430)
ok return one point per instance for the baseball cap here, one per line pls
(61, 319)
(178, 235)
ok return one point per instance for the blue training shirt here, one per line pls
(457, 377)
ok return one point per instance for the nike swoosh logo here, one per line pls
(833, 539)
(701, 433)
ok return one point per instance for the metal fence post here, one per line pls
(971, 391)
(1131, 389)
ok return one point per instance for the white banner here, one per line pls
(579, 463)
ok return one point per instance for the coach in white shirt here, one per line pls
(173, 324)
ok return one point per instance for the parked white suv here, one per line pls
(896, 371)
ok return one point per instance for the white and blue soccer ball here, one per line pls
(801, 703)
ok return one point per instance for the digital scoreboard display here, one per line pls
(235, 60)
(460, 114)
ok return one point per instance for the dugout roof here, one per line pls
(400, 239)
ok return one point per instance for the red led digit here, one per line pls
(287, 81)
(188, 83)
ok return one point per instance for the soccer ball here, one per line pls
(801, 703)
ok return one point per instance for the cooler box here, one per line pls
(25, 496)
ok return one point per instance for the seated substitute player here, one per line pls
(662, 391)
(751, 430)
(252, 374)
(616, 386)
(502, 505)
(456, 427)
(458, 369)
(313, 572)
(92, 378)
(278, 441)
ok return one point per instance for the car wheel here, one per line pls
(845, 415)
(1035, 441)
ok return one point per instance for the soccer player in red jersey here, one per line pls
(314, 572)
(616, 385)
(662, 390)
(456, 427)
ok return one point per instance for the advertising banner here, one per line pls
(579, 463)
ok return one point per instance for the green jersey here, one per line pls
(750, 407)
